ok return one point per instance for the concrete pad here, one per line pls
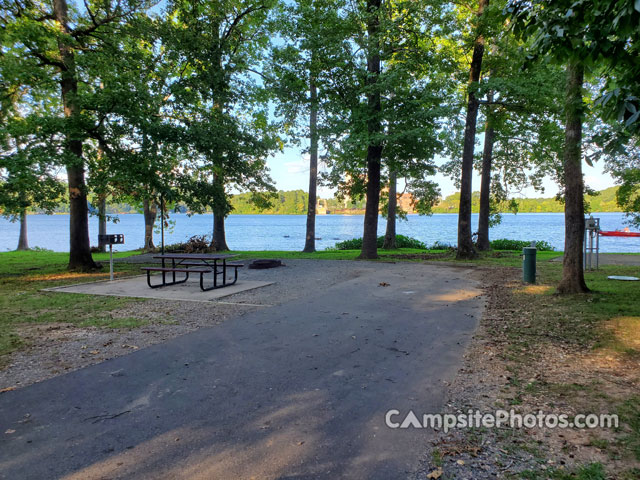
(137, 287)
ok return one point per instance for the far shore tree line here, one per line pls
(295, 202)
(182, 103)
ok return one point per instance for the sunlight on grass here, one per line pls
(626, 332)
(537, 289)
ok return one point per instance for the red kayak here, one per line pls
(617, 233)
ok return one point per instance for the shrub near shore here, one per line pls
(403, 241)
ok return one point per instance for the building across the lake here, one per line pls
(405, 202)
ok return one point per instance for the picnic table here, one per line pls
(191, 263)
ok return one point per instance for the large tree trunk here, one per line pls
(572, 267)
(102, 220)
(390, 234)
(23, 241)
(310, 240)
(374, 149)
(150, 210)
(465, 241)
(79, 246)
(485, 188)
(219, 238)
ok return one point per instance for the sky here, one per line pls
(290, 171)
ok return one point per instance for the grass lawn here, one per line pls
(24, 274)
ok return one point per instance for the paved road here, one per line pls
(294, 391)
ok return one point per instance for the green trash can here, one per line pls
(529, 264)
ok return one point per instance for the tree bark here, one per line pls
(572, 268)
(219, 238)
(310, 240)
(102, 220)
(485, 188)
(23, 241)
(374, 149)
(150, 210)
(79, 246)
(465, 241)
(390, 234)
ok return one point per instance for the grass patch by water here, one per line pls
(23, 275)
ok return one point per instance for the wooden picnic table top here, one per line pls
(195, 256)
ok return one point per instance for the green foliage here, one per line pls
(604, 36)
(506, 244)
(217, 44)
(401, 242)
(602, 201)
(411, 86)
(293, 202)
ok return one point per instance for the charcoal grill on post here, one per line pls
(111, 239)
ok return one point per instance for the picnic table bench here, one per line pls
(192, 263)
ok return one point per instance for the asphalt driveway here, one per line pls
(297, 390)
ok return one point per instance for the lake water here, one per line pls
(287, 232)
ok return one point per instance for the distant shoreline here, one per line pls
(356, 213)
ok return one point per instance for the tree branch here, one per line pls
(239, 18)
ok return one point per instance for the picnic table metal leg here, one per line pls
(217, 284)
(202, 287)
(224, 271)
(206, 289)
(164, 283)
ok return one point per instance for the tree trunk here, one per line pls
(219, 238)
(23, 241)
(310, 240)
(374, 149)
(150, 210)
(102, 219)
(485, 188)
(390, 234)
(572, 267)
(465, 242)
(79, 246)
